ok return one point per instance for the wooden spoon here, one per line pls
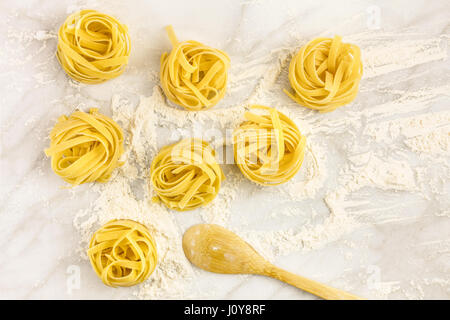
(216, 249)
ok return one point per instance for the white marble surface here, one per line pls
(406, 254)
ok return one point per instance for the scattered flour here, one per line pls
(387, 124)
(383, 163)
(381, 55)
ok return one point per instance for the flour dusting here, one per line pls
(387, 125)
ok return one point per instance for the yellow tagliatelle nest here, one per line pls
(268, 149)
(93, 47)
(122, 253)
(186, 175)
(193, 75)
(325, 74)
(85, 147)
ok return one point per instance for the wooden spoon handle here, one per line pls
(311, 286)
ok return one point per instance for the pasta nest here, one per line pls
(325, 74)
(186, 175)
(268, 149)
(122, 253)
(93, 47)
(85, 147)
(193, 75)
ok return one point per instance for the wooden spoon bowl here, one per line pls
(216, 249)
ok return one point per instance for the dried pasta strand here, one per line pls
(93, 47)
(268, 149)
(186, 175)
(325, 74)
(85, 147)
(122, 253)
(193, 75)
